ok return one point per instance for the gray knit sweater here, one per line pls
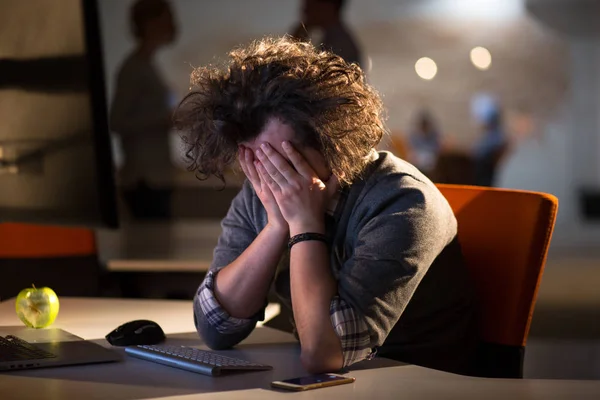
(395, 257)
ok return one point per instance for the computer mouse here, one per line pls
(136, 332)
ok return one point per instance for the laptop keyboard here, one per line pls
(13, 348)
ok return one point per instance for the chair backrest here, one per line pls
(62, 258)
(36, 241)
(505, 235)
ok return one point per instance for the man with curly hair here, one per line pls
(358, 244)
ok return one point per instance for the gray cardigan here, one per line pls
(395, 257)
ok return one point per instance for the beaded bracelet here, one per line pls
(302, 237)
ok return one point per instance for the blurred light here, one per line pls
(369, 64)
(463, 9)
(426, 68)
(483, 106)
(481, 58)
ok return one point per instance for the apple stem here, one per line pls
(33, 286)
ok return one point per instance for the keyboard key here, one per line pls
(13, 348)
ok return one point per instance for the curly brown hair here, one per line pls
(325, 100)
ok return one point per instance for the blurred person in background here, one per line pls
(325, 16)
(490, 149)
(141, 112)
(424, 144)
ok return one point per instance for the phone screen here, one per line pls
(311, 380)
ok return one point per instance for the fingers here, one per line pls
(241, 160)
(252, 174)
(279, 161)
(278, 167)
(247, 163)
(298, 161)
(266, 178)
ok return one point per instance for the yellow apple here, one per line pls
(37, 308)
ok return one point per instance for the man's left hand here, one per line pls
(302, 197)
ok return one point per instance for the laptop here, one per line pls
(27, 348)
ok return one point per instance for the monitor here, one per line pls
(56, 164)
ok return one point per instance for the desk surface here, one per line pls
(92, 318)
(137, 379)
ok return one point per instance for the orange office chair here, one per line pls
(505, 235)
(62, 258)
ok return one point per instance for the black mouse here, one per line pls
(136, 332)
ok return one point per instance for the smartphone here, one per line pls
(312, 382)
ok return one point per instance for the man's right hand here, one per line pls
(242, 286)
(247, 162)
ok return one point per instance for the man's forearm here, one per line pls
(313, 287)
(242, 286)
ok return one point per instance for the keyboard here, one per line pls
(13, 348)
(192, 359)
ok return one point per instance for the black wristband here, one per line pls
(302, 237)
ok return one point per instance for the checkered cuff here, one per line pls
(216, 315)
(352, 331)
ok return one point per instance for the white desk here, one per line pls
(137, 379)
(93, 318)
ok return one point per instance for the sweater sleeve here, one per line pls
(400, 231)
(217, 328)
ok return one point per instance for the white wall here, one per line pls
(565, 159)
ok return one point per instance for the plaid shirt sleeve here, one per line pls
(215, 314)
(352, 331)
